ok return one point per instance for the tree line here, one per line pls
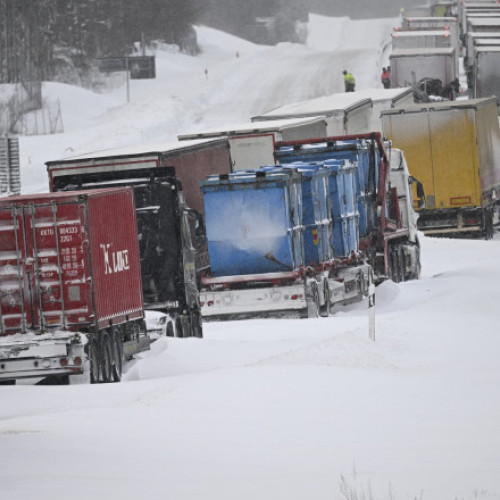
(46, 39)
(41, 38)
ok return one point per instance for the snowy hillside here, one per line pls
(270, 409)
(241, 80)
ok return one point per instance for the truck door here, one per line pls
(15, 310)
(39, 252)
(454, 159)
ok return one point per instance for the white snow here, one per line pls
(270, 409)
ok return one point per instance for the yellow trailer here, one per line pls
(453, 148)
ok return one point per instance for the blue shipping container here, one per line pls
(341, 207)
(363, 153)
(254, 222)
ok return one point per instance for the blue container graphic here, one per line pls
(317, 219)
(363, 153)
(254, 221)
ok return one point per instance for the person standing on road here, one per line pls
(386, 78)
(349, 81)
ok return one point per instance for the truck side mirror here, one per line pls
(420, 195)
(420, 191)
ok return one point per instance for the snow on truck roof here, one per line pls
(382, 95)
(253, 127)
(142, 149)
(321, 106)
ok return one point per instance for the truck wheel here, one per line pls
(179, 331)
(95, 361)
(196, 327)
(488, 224)
(117, 358)
(106, 357)
(170, 329)
(326, 309)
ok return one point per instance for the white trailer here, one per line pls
(486, 72)
(345, 114)
(409, 66)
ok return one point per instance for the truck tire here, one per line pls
(95, 361)
(170, 329)
(106, 357)
(178, 328)
(196, 325)
(488, 224)
(117, 355)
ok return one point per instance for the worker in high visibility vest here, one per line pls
(349, 81)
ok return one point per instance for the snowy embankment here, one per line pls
(271, 409)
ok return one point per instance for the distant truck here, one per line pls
(171, 234)
(302, 236)
(71, 306)
(421, 39)
(410, 66)
(485, 73)
(453, 148)
(449, 24)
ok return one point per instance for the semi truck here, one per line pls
(452, 147)
(305, 235)
(71, 305)
(391, 240)
(270, 242)
(485, 72)
(410, 66)
(171, 234)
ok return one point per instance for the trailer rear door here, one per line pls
(42, 267)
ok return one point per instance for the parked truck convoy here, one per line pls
(313, 231)
(454, 149)
(70, 280)
(171, 233)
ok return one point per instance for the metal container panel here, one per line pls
(358, 153)
(254, 222)
(116, 264)
(317, 217)
(50, 260)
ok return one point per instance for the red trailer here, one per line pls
(70, 283)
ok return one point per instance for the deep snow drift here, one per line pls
(271, 409)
